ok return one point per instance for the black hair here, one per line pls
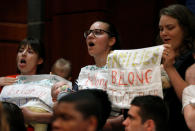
(91, 102)
(186, 20)
(112, 33)
(37, 46)
(152, 107)
(14, 116)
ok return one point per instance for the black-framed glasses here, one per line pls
(95, 32)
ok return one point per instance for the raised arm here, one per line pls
(176, 80)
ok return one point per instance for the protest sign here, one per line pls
(31, 87)
(132, 73)
(93, 77)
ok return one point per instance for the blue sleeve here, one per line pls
(75, 86)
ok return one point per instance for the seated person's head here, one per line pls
(62, 68)
(85, 110)
(147, 113)
(14, 116)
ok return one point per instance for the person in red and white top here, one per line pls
(30, 58)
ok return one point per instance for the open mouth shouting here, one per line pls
(22, 63)
(91, 44)
(166, 40)
(91, 47)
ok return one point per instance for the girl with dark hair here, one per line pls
(101, 38)
(30, 58)
(177, 33)
(31, 45)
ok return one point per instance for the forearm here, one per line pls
(7, 81)
(177, 82)
(189, 115)
(39, 117)
(42, 117)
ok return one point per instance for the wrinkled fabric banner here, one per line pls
(133, 73)
(31, 87)
(93, 79)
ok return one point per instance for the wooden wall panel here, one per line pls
(8, 58)
(13, 11)
(135, 22)
(48, 38)
(13, 29)
(76, 6)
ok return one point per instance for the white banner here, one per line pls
(31, 87)
(133, 73)
(93, 77)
